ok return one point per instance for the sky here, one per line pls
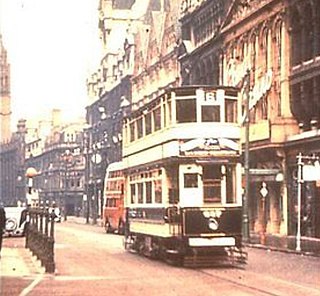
(53, 46)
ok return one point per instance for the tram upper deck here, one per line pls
(184, 121)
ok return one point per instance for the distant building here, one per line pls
(5, 100)
(55, 150)
(12, 167)
(12, 187)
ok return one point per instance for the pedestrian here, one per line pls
(2, 224)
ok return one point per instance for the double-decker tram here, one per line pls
(181, 161)
(113, 210)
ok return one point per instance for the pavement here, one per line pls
(18, 261)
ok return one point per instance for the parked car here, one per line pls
(56, 212)
(16, 221)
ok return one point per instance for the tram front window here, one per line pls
(190, 180)
(210, 113)
(186, 111)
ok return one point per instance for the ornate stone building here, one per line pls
(139, 60)
(12, 167)
(200, 46)
(156, 53)
(304, 33)
(277, 43)
(55, 150)
(256, 39)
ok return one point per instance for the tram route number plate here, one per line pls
(211, 242)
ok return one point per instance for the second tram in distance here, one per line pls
(182, 177)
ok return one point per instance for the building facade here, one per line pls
(156, 65)
(304, 33)
(223, 42)
(12, 168)
(56, 152)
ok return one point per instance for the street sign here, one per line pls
(310, 172)
(264, 190)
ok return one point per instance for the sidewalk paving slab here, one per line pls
(17, 261)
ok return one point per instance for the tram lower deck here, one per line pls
(189, 236)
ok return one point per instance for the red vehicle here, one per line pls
(113, 211)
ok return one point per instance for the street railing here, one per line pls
(40, 237)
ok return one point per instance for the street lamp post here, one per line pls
(246, 232)
(86, 197)
(300, 181)
(67, 157)
(30, 174)
(96, 159)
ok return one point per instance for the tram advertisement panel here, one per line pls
(208, 147)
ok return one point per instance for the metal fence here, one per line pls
(40, 237)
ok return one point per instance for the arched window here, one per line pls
(308, 33)
(278, 44)
(264, 46)
(296, 37)
(253, 54)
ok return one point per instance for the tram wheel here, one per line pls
(107, 227)
(121, 227)
(174, 258)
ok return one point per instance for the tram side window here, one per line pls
(140, 193)
(186, 111)
(157, 191)
(148, 123)
(212, 183)
(139, 128)
(111, 202)
(210, 113)
(132, 130)
(133, 193)
(231, 110)
(157, 118)
(148, 192)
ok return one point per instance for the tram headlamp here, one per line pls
(213, 224)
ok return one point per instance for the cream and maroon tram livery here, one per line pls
(181, 160)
